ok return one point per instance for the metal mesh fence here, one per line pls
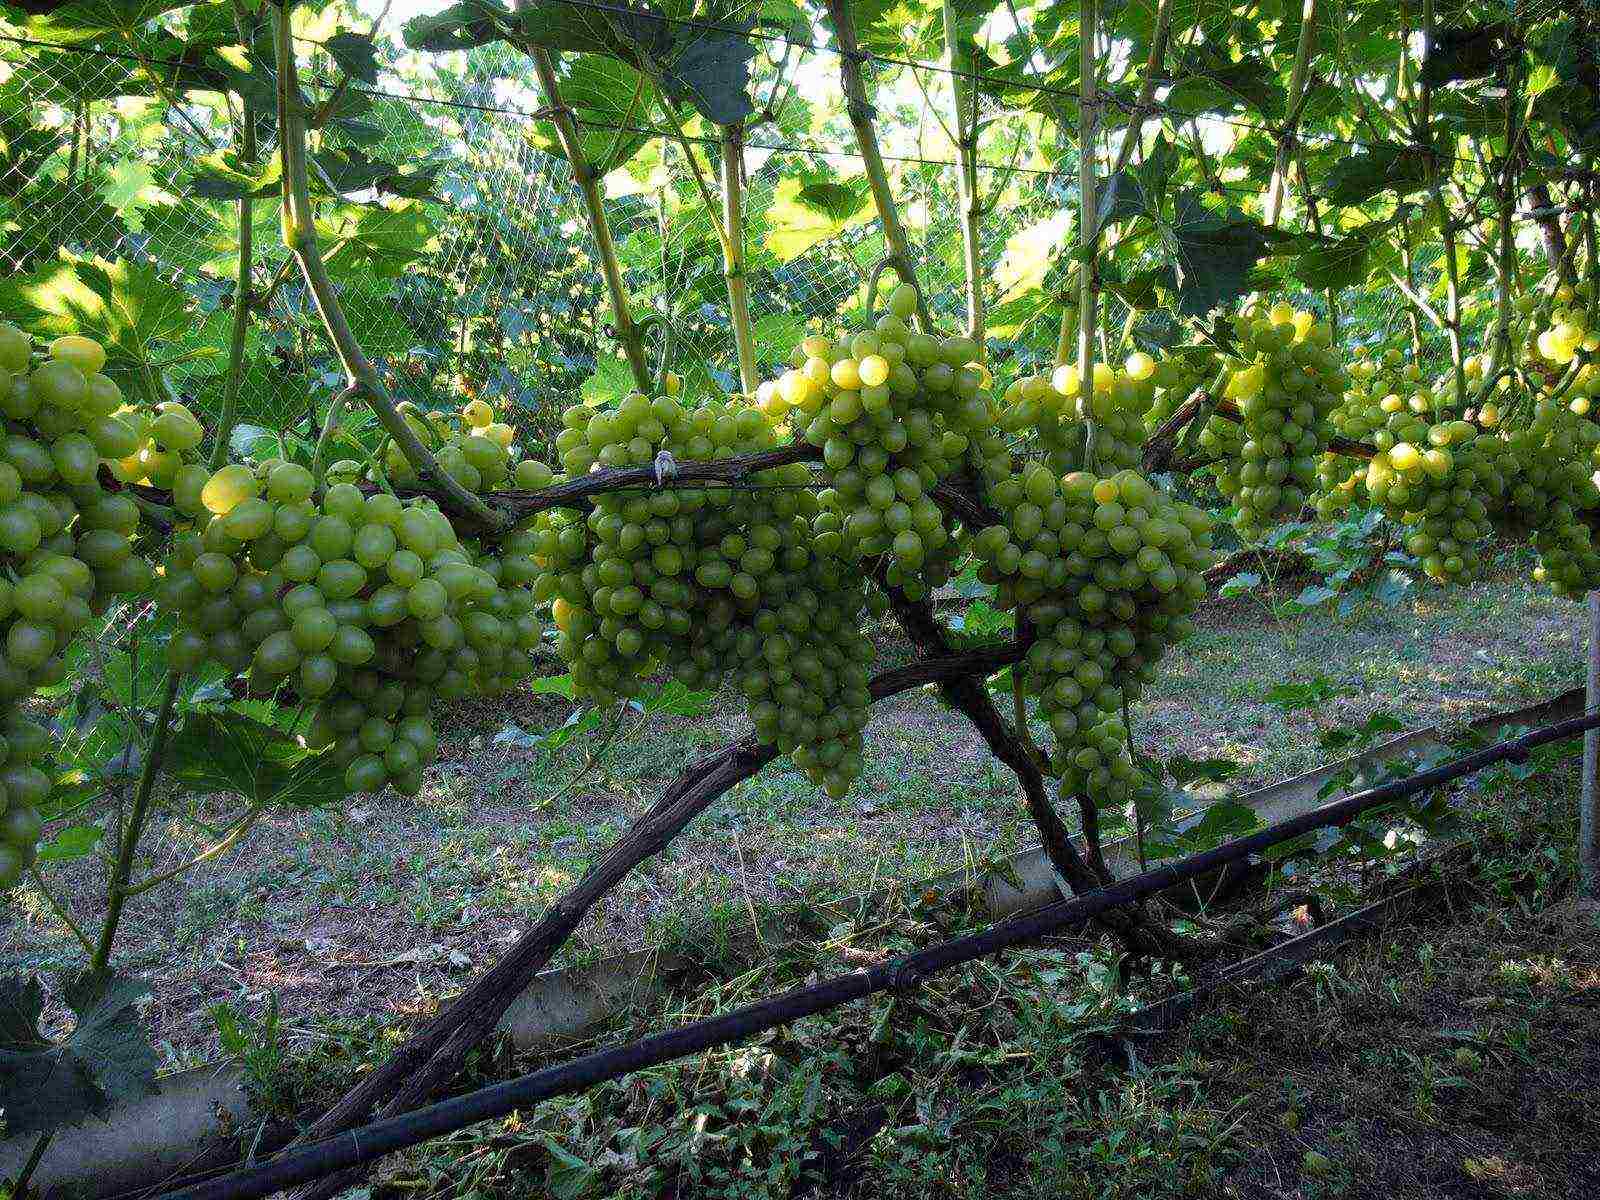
(506, 302)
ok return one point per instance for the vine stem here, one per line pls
(300, 235)
(1088, 220)
(117, 888)
(1507, 281)
(1297, 90)
(242, 300)
(860, 113)
(19, 1189)
(583, 174)
(1447, 230)
(969, 209)
(734, 256)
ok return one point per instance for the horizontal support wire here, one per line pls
(363, 1145)
(1154, 107)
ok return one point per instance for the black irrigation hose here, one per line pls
(358, 1146)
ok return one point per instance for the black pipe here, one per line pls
(316, 1159)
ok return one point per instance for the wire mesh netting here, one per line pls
(505, 299)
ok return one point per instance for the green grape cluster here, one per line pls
(1290, 382)
(1177, 377)
(1372, 379)
(1104, 571)
(1439, 480)
(1550, 490)
(472, 446)
(66, 546)
(893, 412)
(366, 605)
(1051, 407)
(710, 582)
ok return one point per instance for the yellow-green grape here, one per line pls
(1439, 480)
(369, 606)
(1285, 386)
(1176, 377)
(710, 583)
(894, 412)
(66, 549)
(1051, 407)
(1105, 570)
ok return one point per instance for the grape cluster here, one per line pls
(1177, 377)
(894, 412)
(471, 446)
(709, 582)
(1104, 571)
(66, 545)
(367, 605)
(1289, 384)
(1051, 405)
(1566, 327)
(1439, 480)
(1550, 490)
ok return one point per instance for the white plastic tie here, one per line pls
(666, 467)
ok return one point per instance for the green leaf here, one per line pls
(1336, 263)
(1382, 166)
(1215, 252)
(107, 1058)
(1123, 196)
(339, 171)
(712, 72)
(75, 841)
(833, 199)
(611, 381)
(1209, 81)
(551, 685)
(795, 225)
(676, 699)
(1462, 52)
(1303, 694)
(1239, 584)
(219, 176)
(356, 55)
(1186, 770)
(124, 305)
(611, 101)
(226, 751)
(85, 20)
(379, 242)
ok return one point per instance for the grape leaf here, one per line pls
(1381, 166)
(1462, 52)
(355, 53)
(1238, 584)
(124, 305)
(379, 242)
(106, 1059)
(227, 751)
(1215, 252)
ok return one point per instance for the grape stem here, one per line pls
(300, 234)
(60, 909)
(227, 842)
